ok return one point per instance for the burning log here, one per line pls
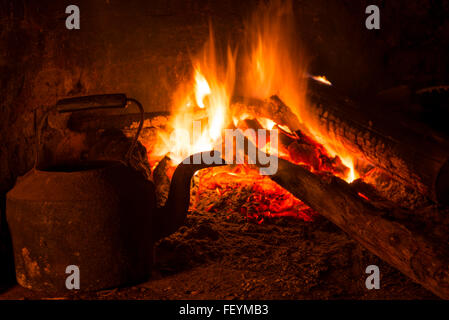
(395, 235)
(272, 108)
(420, 160)
(302, 152)
(411, 251)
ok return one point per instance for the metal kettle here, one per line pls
(99, 216)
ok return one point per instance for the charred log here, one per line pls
(272, 108)
(413, 154)
(409, 151)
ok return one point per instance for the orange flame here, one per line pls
(275, 64)
(202, 88)
(200, 106)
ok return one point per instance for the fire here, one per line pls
(273, 64)
(202, 88)
(201, 106)
(267, 123)
(322, 79)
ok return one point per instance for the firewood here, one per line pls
(409, 151)
(395, 235)
(380, 230)
(306, 153)
(415, 155)
(272, 108)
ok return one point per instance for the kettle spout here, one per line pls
(173, 215)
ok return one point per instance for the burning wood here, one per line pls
(264, 199)
(412, 252)
(393, 234)
(418, 158)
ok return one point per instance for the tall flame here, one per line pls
(200, 106)
(275, 64)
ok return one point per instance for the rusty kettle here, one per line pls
(100, 217)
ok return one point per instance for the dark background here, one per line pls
(143, 47)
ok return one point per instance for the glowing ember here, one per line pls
(363, 196)
(263, 198)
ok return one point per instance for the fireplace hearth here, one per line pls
(331, 154)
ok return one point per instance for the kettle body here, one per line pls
(97, 216)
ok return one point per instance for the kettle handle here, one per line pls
(103, 101)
